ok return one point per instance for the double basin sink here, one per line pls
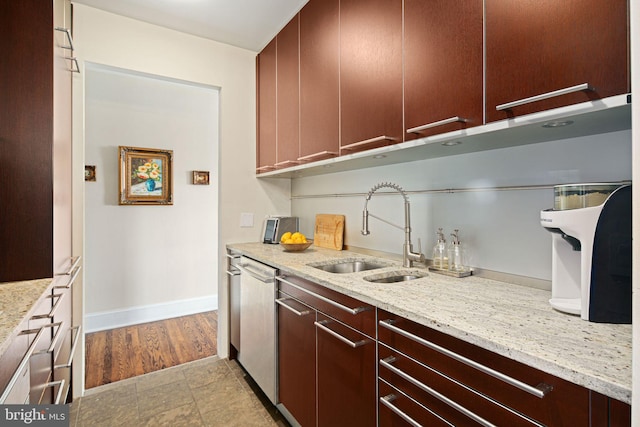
(356, 266)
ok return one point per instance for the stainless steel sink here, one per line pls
(395, 277)
(349, 266)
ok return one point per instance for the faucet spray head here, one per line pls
(365, 223)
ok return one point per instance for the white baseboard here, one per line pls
(101, 321)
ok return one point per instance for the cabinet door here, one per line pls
(297, 359)
(266, 66)
(346, 375)
(370, 74)
(536, 47)
(319, 79)
(287, 98)
(443, 65)
(26, 187)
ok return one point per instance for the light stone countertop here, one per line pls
(17, 299)
(512, 320)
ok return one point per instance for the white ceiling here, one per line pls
(249, 24)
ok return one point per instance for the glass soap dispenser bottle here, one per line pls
(439, 257)
(457, 254)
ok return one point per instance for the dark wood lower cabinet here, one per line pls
(297, 359)
(346, 376)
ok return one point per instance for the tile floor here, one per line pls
(207, 392)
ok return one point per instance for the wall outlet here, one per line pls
(246, 220)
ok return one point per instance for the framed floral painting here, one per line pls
(145, 176)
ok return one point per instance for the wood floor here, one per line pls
(130, 351)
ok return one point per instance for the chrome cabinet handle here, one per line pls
(233, 273)
(386, 401)
(349, 310)
(69, 38)
(76, 339)
(74, 60)
(72, 279)
(321, 324)
(318, 154)
(74, 263)
(231, 256)
(450, 120)
(59, 383)
(286, 163)
(51, 313)
(540, 391)
(56, 337)
(444, 399)
(359, 144)
(23, 363)
(553, 94)
(281, 303)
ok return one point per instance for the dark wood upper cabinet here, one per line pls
(266, 89)
(443, 66)
(288, 95)
(536, 47)
(319, 79)
(370, 73)
(26, 137)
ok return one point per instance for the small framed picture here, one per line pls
(201, 177)
(145, 176)
(89, 173)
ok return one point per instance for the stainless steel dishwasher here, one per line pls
(258, 324)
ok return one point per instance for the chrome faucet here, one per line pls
(408, 256)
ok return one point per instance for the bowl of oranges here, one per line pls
(294, 242)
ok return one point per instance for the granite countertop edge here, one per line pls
(511, 320)
(17, 301)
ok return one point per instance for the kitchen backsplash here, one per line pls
(499, 226)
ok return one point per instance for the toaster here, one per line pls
(276, 226)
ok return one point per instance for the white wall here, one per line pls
(145, 263)
(112, 40)
(500, 228)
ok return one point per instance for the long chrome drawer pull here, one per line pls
(59, 383)
(76, 340)
(444, 399)
(559, 92)
(359, 144)
(72, 279)
(69, 38)
(321, 324)
(353, 311)
(23, 363)
(386, 401)
(53, 309)
(74, 263)
(540, 391)
(233, 273)
(231, 256)
(319, 154)
(54, 341)
(280, 302)
(450, 120)
(74, 60)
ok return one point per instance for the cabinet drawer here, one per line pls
(348, 310)
(558, 402)
(398, 409)
(448, 398)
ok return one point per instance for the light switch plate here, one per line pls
(246, 219)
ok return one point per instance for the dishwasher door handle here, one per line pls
(255, 273)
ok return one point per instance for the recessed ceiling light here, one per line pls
(379, 156)
(557, 124)
(451, 143)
